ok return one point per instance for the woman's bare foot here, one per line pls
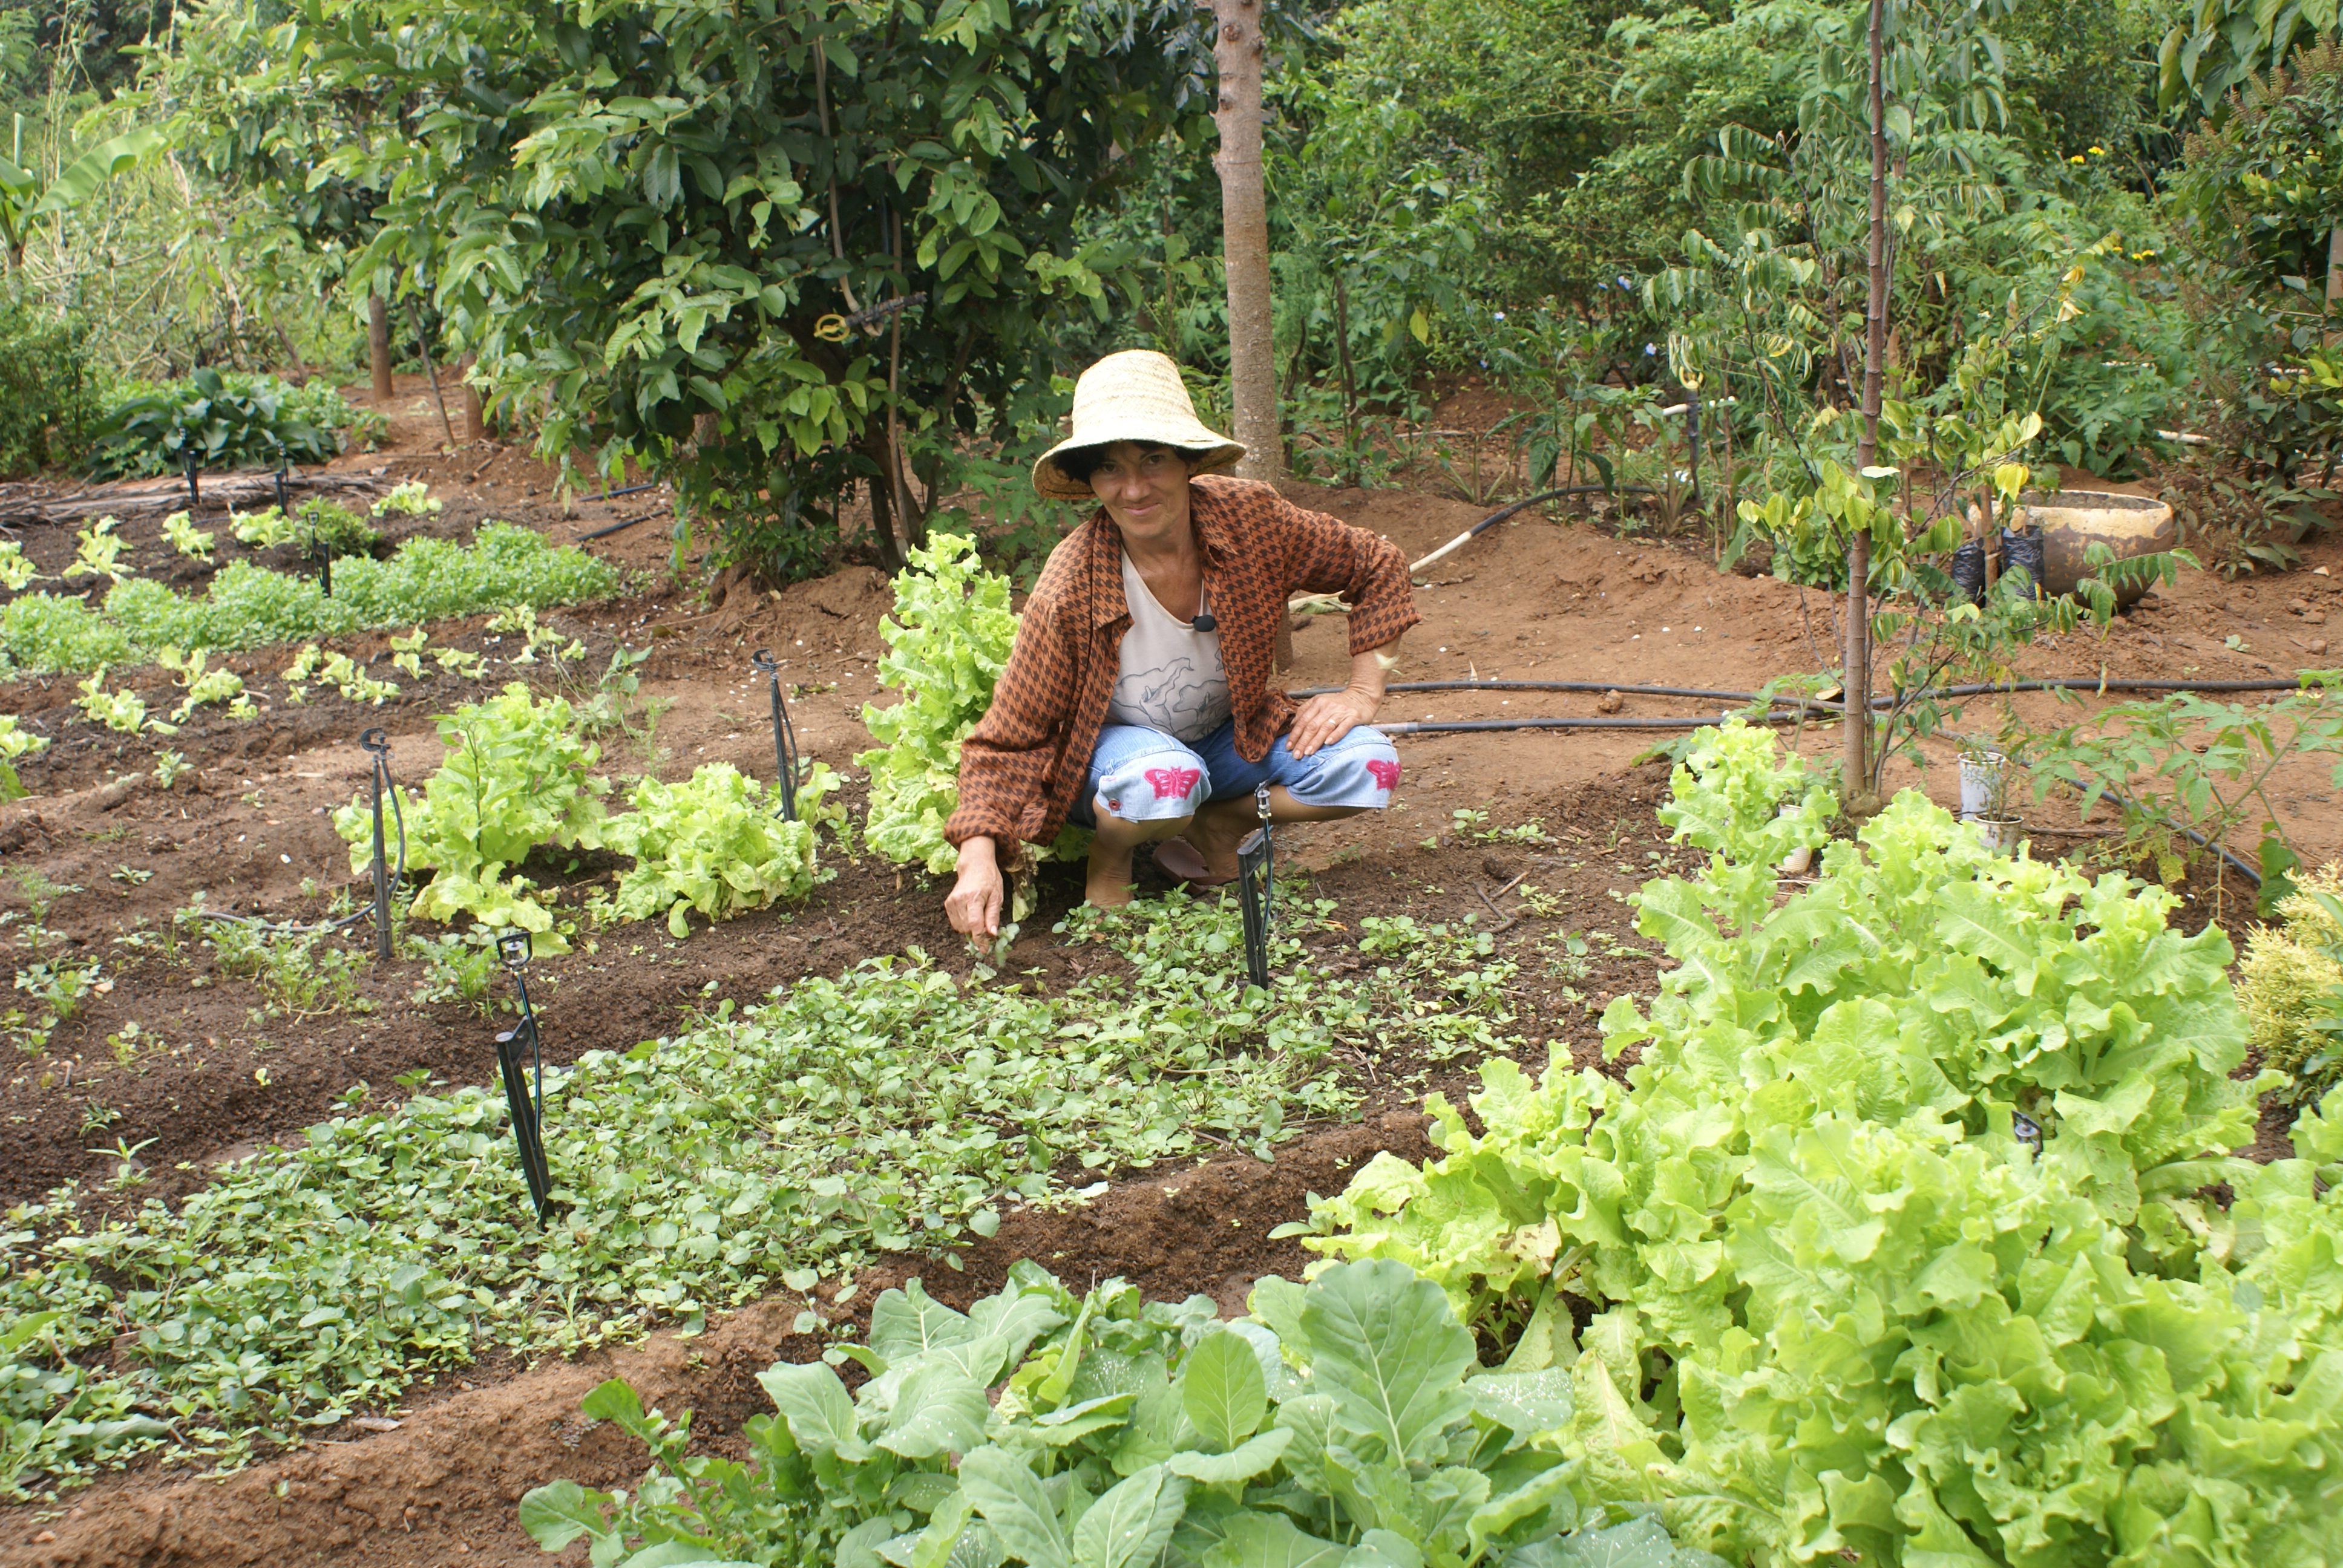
(1181, 862)
(1215, 834)
(1108, 881)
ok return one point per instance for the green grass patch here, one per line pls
(252, 607)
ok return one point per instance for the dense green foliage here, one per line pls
(2290, 983)
(1345, 1422)
(892, 1107)
(716, 843)
(217, 422)
(1837, 1304)
(659, 214)
(49, 394)
(250, 607)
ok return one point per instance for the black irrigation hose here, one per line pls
(1593, 685)
(1450, 726)
(620, 526)
(2060, 683)
(629, 490)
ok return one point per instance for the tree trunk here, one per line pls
(1244, 237)
(1856, 792)
(476, 420)
(379, 345)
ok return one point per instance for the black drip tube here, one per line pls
(1789, 699)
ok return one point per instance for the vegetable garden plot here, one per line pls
(781, 1143)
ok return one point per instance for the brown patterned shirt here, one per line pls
(1021, 767)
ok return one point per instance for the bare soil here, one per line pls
(211, 1075)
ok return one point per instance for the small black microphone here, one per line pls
(1205, 622)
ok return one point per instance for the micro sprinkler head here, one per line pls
(2028, 1131)
(525, 1102)
(785, 738)
(376, 743)
(1256, 859)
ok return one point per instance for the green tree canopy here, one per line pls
(800, 216)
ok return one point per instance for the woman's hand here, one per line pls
(1328, 717)
(974, 905)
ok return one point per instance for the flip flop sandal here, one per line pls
(1178, 860)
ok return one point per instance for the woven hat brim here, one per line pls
(1192, 437)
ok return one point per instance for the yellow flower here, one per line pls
(2098, 152)
(2075, 159)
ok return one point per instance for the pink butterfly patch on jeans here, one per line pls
(1173, 783)
(1386, 774)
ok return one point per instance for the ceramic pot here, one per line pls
(2074, 520)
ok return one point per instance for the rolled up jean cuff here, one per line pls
(1145, 776)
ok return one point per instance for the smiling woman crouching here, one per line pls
(1136, 698)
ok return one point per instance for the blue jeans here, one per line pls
(1145, 776)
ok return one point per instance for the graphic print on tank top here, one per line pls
(1171, 678)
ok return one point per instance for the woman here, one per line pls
(1136, 699)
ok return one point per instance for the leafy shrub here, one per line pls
(2190, 762)
(1345, 1422)
(515, 779)
(716, 843)
(250, 607)
(244, 422)
(947, 643)
(2291, 984)
(1838, 1306)
(49, 403)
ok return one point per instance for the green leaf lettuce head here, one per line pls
(517, 777)
(1837, 1307)
(1341, 1424)
(948, 642)
(718, 844)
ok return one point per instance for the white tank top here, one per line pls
(1171, 677)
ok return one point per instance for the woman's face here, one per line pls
(1144, 489)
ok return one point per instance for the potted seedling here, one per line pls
(1986, 779)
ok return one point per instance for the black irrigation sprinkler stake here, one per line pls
(527, 1104)
(2028, 1131)
(1255, 875)
(188, 466)
(785, 737)
(376, 743)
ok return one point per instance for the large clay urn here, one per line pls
(2073, 520)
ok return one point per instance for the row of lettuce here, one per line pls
(1913, 1237)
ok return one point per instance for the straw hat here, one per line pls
(1135, 396)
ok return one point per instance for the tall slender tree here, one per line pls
(1239, 50)
(1861, 799)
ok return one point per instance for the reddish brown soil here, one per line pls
(1533, 598)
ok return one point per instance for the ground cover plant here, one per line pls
(249, 607)
(1343, 1421)
(789, 1141)
(2290, 984)
(1899, 1241)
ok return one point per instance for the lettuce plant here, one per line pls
(716, 844)
(518, 776)
(947, 643)
(1820, 1290)
(1345, 1424)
